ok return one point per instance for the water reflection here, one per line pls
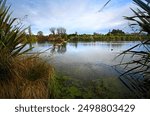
(84, 60)
(118, 45)
(59, 48)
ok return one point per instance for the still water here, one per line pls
(84, 60)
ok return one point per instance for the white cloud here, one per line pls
(74, 15)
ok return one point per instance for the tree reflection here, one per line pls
(74, 43)
(59, 48)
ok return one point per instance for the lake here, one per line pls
(85, 60)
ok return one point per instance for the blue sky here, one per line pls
(80, 16)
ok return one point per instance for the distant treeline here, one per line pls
(59, 35)
(86, 37)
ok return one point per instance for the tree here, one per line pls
(29, 30)
(52, 30)
(116, 32)
(40, 33)
(76, 33)
(61, 30)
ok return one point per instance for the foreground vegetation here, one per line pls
(20, 75)
(140, 65)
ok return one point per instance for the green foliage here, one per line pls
(31, 39)
(40, 33)
(103, 88)
(140, 65)
(142, 15)
(111, 37)
(116, 32)
(12, 38)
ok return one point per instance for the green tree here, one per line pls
(116, 32)
(40, 33)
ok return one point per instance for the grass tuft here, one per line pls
(36, 75)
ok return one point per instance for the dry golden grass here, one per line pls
(25, 78)
(9, 77)
(34, 90)
(36, 76)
